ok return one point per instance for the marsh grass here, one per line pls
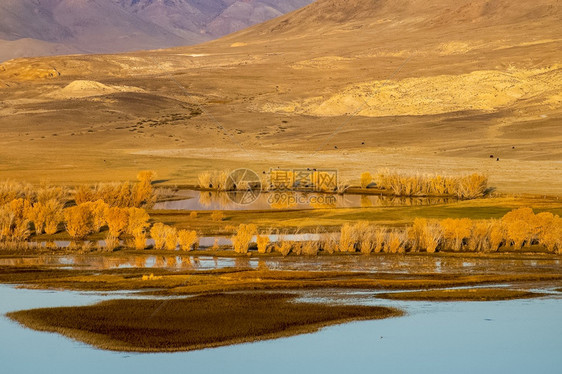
(187, 324)
(465, 294)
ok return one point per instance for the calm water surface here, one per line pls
(211, 200)
(518, 336)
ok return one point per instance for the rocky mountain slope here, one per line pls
(49, 27)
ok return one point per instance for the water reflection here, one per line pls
(516, 336)
(211, 200)
(380, 263)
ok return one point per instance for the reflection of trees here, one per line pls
(205, 198)
(262, 264)
(240, 262)
(140, 261)
(171, 262)
(366, 201)
(387, 200)
(185, 262)
(160, 261)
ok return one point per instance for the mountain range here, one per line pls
(51, 27)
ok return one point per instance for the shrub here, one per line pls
(241, 241)
(310, 247)
(366, 179)
(215, 246)
(520, 226)
(37, 216)
(550, 233)
(171, 238)
(395, 241)
(53, 216)
(12, 190)
(46, 193)
(121, 195)
(139, 239)
(263, 243)
(137, 220)
(6, 222)
(347, 238)
(329, 243)
(205, 180)
(143, 193)
(366, 237)
(283, 246)
(158, 234)
(111, 243)
(193, 215)
(83, 194)
(428, 234)
(379, 237)
(117, 220)
(455, 231)
(497, 234)
(478, 240)
(472, 186)
(217, 215)
(187, 240)
(78, 221)
(98, 208)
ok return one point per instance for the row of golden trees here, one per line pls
(125, 194)
(464, 187)
(517, 229)
(26, 210)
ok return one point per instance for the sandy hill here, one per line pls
(416, 85)
(51, 27)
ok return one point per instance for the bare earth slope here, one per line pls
(420, 86)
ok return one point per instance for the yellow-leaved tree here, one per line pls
(455, 231)
(117, 220)
(241, 241)
(78, 221)
(143, 193)
(366, 179)
(188, 240)
(158, 234)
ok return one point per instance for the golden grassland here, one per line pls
(194, 323)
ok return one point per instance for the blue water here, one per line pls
(517, 336)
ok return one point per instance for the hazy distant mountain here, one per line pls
(48, 27)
